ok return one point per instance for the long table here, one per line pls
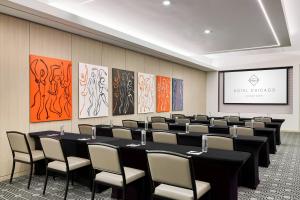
(270, 133)
(218, 167)
(256, 146)
(275, 123)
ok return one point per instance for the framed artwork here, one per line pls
(50, 89)
(163, 94)
(146, 93)
(93, 91)
(123, 92)
(177, 94)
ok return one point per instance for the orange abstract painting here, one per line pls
(50, 89)
(163, 93)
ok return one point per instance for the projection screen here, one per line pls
(260, 86)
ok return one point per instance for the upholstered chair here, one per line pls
(122, 133)
(130, 124)
(220, 142)
(22, 153)
(160, 126)
(108, 169)
(164, 137)
(173, 177)
(58, 162)
(86, 129)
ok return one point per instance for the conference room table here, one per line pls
(270, 133)
(266, 132)
(218, 167)
(275, 123)
(257, 146)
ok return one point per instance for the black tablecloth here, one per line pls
(264, 151)
(270, 133)
(218, 167)
(257, 146)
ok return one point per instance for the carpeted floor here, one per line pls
(280, 181)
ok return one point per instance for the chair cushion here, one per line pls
(74, 163)
(131, 175)
(178, 193)
(36, 155)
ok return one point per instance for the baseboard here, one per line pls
(16, 174)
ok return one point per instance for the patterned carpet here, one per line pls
(280, 181)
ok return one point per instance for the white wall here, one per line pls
(234, 61)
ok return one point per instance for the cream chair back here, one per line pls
(198, 128)
(160, 126)
(201, 117)
(85, 129)
(220, 142)
(168, 168)
(182, 120)
(245, 131)
(220, 122)
(232, 118)
(174, 116)
(52, 149)
(105, 158)
(122, 133)
(263, 119)
(18, 141)
(158, 119)
(130, 124)
(255, 124)
(164, 137)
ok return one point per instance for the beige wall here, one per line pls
(19, 38)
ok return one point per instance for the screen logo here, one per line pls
(253, 80)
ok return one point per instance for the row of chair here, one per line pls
(108, 168)
(217, 122)
(195, 128)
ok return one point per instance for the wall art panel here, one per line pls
(163, 94)
(50, 89)
(146, 93)
(177, 94)
(93, 91)
(123, 92)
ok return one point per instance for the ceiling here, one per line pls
(175, 31)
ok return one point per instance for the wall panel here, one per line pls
(14, 81)
(20, 38)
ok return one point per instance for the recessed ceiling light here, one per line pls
(166, 2)
(207, 31)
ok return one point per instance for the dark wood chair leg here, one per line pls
(72, 179)
(93, 190)
(30, 175)
(12, 171)
(124, 193)
(67, 186)
(46, 181)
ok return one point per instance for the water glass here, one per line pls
(62, 131)
(187, 128)
(204, 143)
(93, 133)
(143, 137)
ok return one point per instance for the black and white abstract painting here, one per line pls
(123, 92)
(93, 91)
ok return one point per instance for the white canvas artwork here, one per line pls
(146, 93)
(93, 91)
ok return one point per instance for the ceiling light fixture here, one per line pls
(207, 31)
(268, 21)
(166, 2)
(86, 2)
